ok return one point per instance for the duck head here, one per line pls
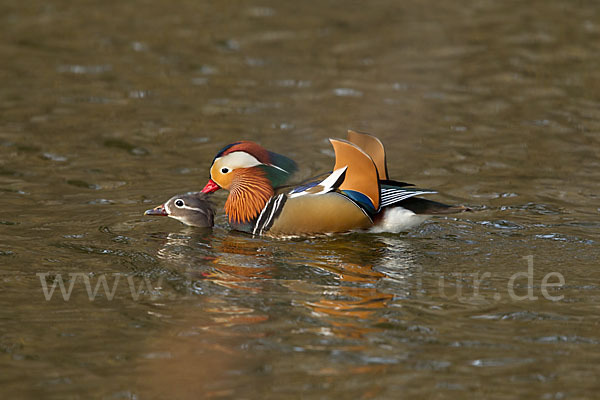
(250, 173)
(192, 209)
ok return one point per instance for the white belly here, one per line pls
(398, 219)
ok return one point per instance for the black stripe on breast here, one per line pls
(269, 214)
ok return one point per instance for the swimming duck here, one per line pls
(356, 195)
(191, 208)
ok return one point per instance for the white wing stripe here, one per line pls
(390, 196)
(326, 183)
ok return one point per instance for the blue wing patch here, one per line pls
(361, 199)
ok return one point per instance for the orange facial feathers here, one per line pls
(248, 195)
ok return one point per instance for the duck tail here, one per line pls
(430, 207)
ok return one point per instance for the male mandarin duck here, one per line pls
(357, 195)
(191, 208)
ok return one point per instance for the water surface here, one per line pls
(109, 109)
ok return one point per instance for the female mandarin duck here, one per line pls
(193, 209)
(356, 195)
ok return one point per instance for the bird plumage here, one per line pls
(357, 194)
(191, 208)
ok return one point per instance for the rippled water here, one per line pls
(108, 109)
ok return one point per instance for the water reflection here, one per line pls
(356, 277)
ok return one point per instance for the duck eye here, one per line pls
(179, 203)
(224, 170)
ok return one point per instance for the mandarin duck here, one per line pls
(192, 209)
(357, 195)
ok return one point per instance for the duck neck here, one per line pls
(249, 193)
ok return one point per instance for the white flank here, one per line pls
(398, 219)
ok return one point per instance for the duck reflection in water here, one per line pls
(242, 289)
(219, 257)
(367, 275)
(194, 209)
(350, 281)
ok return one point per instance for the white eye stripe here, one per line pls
(194, 209)
(238, 159)
(279, 168)
(177, 217)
